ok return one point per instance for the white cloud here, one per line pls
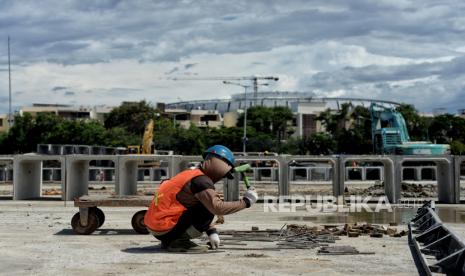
(109, 51)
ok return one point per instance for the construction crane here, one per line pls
(253, 79)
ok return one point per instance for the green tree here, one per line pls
(189, 141)
(119, 137)
(280, 116)
(417, 125)
(272, 120)
(458, 129)
(21, 137)
(131, 116)
(457, 147)
(48, 128)
(294, 146)
(357, 138)
(328, 120)
(441, 128)
(349, 129)
(321, 143)
(230, 137)
(258, 117)
(260, 142)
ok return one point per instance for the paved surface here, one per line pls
(36, 238)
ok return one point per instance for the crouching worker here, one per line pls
(185, 205)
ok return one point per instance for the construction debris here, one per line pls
(351, 230)
(376, 235)
(52, 192)
(254, 255)
(340, 250)
(420, 190)
(103, 188)
(407, 190)
(301, 233)
(296, 236)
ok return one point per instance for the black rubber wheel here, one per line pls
(100, 215)
(137, 222)
(92, 224)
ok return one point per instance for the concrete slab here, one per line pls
(36, 238)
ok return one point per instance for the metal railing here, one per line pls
(429, 238)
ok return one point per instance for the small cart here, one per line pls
(90, 217)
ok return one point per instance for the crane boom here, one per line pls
(253, 79)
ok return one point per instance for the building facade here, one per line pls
(4, 123)
(305, 106)
(70, 112)
(224, 112)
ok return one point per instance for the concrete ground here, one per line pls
(36, 239)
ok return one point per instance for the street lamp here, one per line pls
(244, 138)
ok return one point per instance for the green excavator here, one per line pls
(390, 135)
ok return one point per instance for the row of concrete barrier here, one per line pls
(303, 173)
(447, 172)
(54, 149)
(57, 149)
(76, 172)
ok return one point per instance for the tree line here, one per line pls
(347, 131)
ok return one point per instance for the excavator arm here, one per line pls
(147, 140)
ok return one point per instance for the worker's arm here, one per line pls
(212, 201)
(203, 189)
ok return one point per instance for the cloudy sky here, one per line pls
(105, 52)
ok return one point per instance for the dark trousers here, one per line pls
(197, 216)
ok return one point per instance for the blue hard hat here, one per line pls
(222, 152)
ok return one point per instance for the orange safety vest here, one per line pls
(165, 210)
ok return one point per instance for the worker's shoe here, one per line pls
(186, 246)
(164, 245)
(193, 233)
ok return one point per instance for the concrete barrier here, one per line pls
(128, 170)
(354, 173)
(27, 179)
(313, 174)
(155, 174)
(364, 173)
(331, 160)
(2, 174)
(29, 172)
(391, 187)
(180, 163)
(231, 188)
(419, 173)
(265, 174)
(374, 173)
(77, 173)
(458, 160)
(448, 191)
(6, 171)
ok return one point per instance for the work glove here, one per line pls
(251, 195)
(214, 240)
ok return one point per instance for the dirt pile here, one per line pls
(407, 190)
